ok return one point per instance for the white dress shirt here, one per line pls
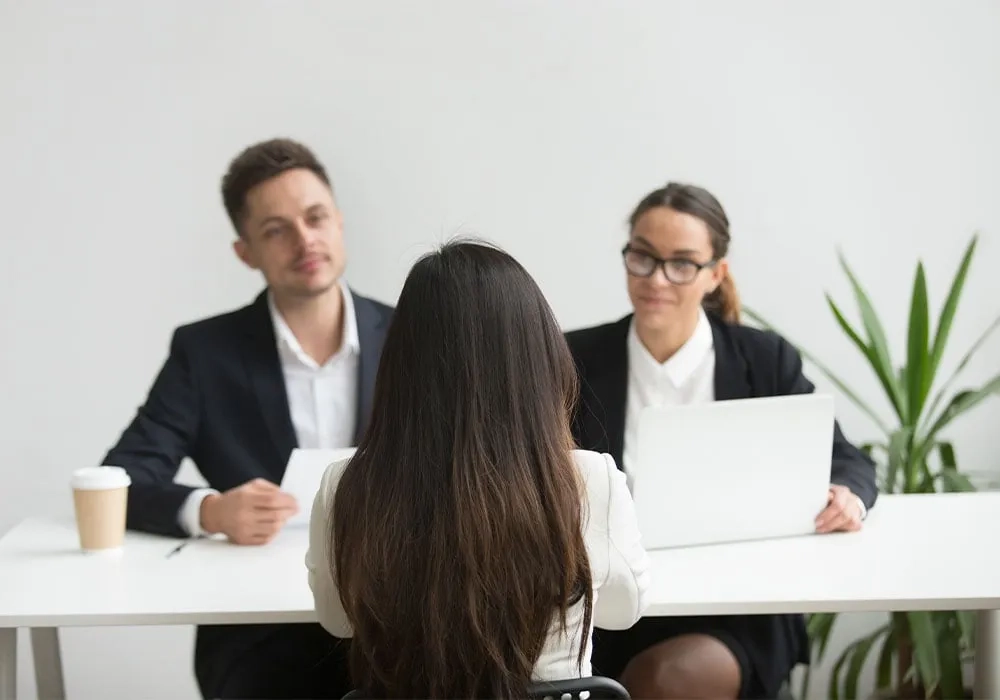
(322, 399)
(618, 562)
(687, 377)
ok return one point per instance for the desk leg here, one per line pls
(987, 683)
(48, 663)
(8, 663)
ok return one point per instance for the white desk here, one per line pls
(935, 552)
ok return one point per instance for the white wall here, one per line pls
(872, 126)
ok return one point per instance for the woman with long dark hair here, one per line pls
(684, 344)
(467, 548)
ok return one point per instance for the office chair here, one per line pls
(595, 687)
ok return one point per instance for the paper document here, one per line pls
(303, 475)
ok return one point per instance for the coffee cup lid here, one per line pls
(100, 478)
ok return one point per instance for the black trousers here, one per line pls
(286, 662)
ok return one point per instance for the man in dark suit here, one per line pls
(239, 391)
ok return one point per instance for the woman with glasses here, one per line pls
(684, 344)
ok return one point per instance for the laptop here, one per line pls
(729, 471)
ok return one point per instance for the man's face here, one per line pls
(292, 232)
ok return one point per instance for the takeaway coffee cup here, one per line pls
(99, 499)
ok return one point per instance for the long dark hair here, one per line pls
(456, 535)
(724, 301)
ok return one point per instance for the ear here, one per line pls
(244, 253)
(719, 273)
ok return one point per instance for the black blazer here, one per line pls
(220, 399)
(748, 363)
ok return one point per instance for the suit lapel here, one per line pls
(732, 374)
(264, 371)
(609, 383)
(371, 333)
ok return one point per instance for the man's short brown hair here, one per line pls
(259, 163)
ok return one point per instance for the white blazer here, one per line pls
(618, 562)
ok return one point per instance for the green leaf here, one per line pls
(950, 653)
(869, 448)
(827, 372)
(883, 679)
(950, 306)
(818, 628)
(959, 404)
(924, 481)
(903, 383)
(848, 329)
(918, 362)
(897, 452)
(967, 628)
(929, 415)
(926, 656)
(949, 476)
(857, 662)
(880, 360)
(833, 691)
(872, 357)
(804, 685)
(956, 482)
(947, 453)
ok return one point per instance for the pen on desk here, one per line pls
(178, 548)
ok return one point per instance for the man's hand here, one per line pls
(249, 514)
(842, 512)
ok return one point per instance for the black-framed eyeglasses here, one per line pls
(677, 270)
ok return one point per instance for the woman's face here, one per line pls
(684, 242)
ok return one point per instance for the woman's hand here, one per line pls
(843, 513)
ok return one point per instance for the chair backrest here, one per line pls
(591, 688)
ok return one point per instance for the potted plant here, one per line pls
(920, 654)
